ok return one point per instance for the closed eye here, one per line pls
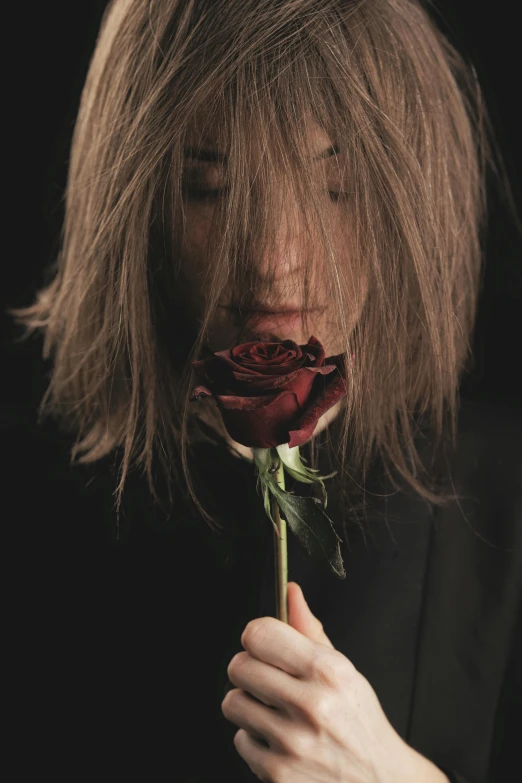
(206, 195)
(199, 194)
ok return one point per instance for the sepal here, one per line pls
(294, 467)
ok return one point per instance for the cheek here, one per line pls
(194, 247)
(197, 229)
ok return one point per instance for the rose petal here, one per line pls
(256, 370)
(324, 370)
(243, 348)
(270, 370)
(271, 382)
(267, 428)
(324, 398)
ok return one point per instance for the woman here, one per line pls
(229, 159)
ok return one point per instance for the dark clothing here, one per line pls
(124, 644)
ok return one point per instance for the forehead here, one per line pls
(201, 136)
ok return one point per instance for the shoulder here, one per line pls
(489, 441)
(487, 470)
(486, 455)
(490, 418)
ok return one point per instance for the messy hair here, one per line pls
(413, 144)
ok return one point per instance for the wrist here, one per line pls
(425, 770)
(407, 765)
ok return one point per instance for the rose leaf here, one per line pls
(312, 527)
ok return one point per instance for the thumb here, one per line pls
(301, 618)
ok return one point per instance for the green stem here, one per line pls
(280, 547)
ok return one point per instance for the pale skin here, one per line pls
(304, 713)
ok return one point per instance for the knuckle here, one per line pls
(249, 633)
(314, 707)
(286, 741)
(236, 662)
(320, 707)
(299, 744)
(225, 704)
(328, 667)
(253, 630)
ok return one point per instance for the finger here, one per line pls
(301, 617)
(265, 725)
(270, 685)
(280, 645)
(259, 758)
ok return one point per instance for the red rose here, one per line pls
(272, 393)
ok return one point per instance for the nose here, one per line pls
(285, 259)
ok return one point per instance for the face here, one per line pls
(232, 325)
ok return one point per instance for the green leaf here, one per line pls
(312, 528)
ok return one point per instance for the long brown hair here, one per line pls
(400, 102)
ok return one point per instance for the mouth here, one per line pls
(271, 326)
(272, 313)
(260, 322)
(285, 311)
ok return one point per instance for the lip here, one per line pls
(284, 311)
(267, 325)
(271, 313)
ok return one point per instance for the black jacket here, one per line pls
(121, 639)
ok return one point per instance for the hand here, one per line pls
(306, 714)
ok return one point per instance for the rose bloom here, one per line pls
(271, 393)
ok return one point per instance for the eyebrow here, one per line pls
(213, 156)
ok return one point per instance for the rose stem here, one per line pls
(280, 550)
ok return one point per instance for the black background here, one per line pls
(81, 610)
(53, 46)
